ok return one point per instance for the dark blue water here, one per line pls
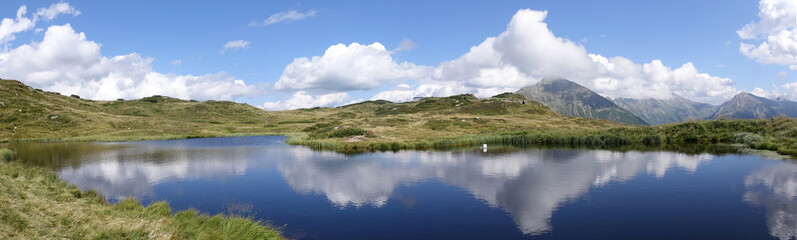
(462, 194)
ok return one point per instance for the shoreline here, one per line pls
(36, 203)
(608, 139)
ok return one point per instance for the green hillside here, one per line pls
(434, 122)
(27, 113)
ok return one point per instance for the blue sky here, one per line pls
(193, 33)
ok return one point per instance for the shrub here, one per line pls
(348, 132)
(6, 154)
(745, 137)
(153, 99)
(75, 96)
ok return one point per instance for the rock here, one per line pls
(359, 138)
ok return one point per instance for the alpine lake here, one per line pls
(468, 193)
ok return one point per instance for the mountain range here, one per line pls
(748, 106)
(569, 98)
(664, 111)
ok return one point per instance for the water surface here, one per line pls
(462, 194)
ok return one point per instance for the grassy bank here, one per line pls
(778, 135)
(35, 204)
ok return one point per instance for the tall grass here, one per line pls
(36, 204)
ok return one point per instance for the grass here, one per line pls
(435, 122)
(35, 204)
(6, 154)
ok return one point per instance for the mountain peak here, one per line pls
(749, 106)
(570, 98)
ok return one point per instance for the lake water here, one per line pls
(460, 194)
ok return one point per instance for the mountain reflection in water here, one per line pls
(529, 184)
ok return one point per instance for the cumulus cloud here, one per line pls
(522, 55)
(9, 27)
(176, 63)
(529, 51)
(235, 45)
(775, 16)
(288, 16)
(347, 68)
(302, 99)
(66, 61)
(776, 24)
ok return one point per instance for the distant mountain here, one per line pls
(748, 106)
(569, 98)
(664, 111)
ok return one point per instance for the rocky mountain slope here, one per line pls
(571, 99)
(664, 111)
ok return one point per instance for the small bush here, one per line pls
(75, 96)
(153, 99)
(348, 132)
(6, 154)
(745, 138)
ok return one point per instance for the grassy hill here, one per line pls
(30, 114)
(435, 122)
(386, 125)
(27, 113)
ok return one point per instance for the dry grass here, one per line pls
(35, 204)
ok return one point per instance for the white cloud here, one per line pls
(783, 74)
(528, 51)
(9, 27)
(777, 22)
(400, 94)
(406, 44)
(65, 61)
(766, 94)
(235, 45)
(775, 16)
(176, 63)
(346, 68)
(288, 16)
(301, 99)
(522, 55)
(49, 13)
